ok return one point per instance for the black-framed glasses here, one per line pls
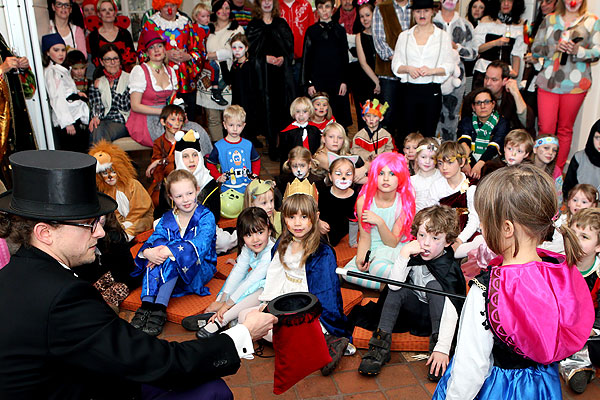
(482, 102)
(62, 5)
(92, 226)
(110, 59)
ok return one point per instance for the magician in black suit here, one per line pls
(59, 339)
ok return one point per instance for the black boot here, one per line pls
(378, 354)
(579, 380)
(217, 97)
(336, 346)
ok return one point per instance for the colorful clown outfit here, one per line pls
(179, 34)
(517, 322)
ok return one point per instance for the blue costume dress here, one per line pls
(517, 321)
(194, 256)
(247, 276)
(324, 283)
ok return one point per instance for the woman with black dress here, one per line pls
(271, 55)
(366, 81)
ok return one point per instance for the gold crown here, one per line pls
(301, 187)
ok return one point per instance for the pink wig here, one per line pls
(406, 209)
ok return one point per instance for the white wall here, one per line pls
(22, 23)
(590, 110)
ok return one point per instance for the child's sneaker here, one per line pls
(336, 346)
(579, 380)
(217, 97)
(156, 322)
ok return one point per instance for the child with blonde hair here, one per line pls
(336, 141)
(236, 156)
(300, 132)
(519, 318)
(179, 257)
(425, 171)
(545, 151)
(261, 194)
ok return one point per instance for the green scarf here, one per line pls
(484, 133)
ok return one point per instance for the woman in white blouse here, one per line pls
(151, 84)
(499, 36)
(423, 59)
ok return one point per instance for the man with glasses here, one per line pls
(59, 339)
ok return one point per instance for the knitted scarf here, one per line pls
(483, 133)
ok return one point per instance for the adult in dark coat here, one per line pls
(325, 65)
(63, 341)
(271, 55)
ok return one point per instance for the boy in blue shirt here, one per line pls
(237, 157)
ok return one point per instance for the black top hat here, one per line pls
(55, 185)
(420, 4)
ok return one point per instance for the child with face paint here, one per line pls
(162, 162)
(300, 165)
(243, 93)
(336, 141)
(337, 200)
(116, 177)
(322, 115)
(300, 132)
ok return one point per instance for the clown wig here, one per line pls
(110, 155)
(158, 4)
(406, 208)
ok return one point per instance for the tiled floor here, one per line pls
(402, 378)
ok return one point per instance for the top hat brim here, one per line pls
(46, 212)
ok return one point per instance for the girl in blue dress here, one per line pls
(531, 308)
(180, 256)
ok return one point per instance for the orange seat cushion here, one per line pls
(400, 341)
(223, 268)
(179, 307)
(343, 252)
(351, 298)
(227, 222)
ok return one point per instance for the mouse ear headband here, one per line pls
(331, 157)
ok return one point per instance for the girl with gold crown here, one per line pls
(304, 262)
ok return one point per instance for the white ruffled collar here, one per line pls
(179, 23)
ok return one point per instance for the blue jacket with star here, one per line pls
(194, 255)
(324, 283)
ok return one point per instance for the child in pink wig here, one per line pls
(385, 209)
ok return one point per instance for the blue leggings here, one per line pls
(164, 293)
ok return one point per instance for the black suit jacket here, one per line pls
(59, 340)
